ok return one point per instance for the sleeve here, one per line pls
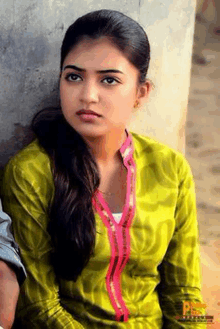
(9, 250)
(180, 271)
(25, 198)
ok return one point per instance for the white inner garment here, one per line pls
(117, 216)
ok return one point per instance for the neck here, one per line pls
(106, 147)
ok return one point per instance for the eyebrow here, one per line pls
(82, 70)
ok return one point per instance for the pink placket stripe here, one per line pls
(119, 232)
(130, 214)
(111, 287)
(123, 234)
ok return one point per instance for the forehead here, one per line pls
(98, 54)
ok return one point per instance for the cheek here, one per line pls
(65, 102)
(66, 97)
(129, 91)
(62, 93)
(127, 97)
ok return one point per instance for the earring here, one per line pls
(136, 104)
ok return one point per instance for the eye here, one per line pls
(72, 77)
(110, 80)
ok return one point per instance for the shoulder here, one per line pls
(30, 157)
(160, 156)
(31, 163)
(32, 154)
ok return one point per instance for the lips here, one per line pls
(87, 112)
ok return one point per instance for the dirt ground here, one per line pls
(203, 154)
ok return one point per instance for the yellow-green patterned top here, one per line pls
(143, 268)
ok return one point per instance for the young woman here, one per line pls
(105, 218)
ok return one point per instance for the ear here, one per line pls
(143, 93)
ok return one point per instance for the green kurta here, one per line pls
(158, 269)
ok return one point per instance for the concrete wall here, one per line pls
(31, 32)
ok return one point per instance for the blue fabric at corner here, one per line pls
(9, 249)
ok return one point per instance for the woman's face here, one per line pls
(96, 76)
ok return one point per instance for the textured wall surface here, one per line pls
(31, 32)
(203, 147)
(170, 26)
(203, 126)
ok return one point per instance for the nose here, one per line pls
(89, 93)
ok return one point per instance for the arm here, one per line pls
(9, 290)
(12, 272)
(26, 194)
(180, 270)
(9, 249)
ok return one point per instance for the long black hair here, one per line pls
(75, 172)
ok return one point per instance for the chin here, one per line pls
(90, 131)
